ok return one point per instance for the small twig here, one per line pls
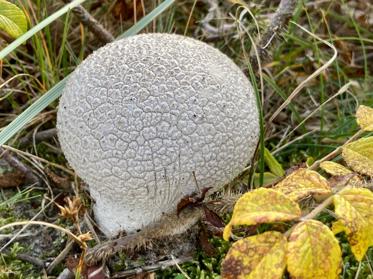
(61, 256)
(89, 224)
(14, 162)
(336, 151)
(92, 24)
(38, 137)
(279, 21)
(358, 271)
(27, 258)
(15, 236)
(149, 268)
(15, 150)
(318, 209)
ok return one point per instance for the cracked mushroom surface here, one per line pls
(141, 114)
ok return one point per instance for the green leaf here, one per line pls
(273, 164)
(17, 124)
(12, 19)
(20, 40)
(268, 179)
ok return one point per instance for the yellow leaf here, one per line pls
(313, 252)
(338, 227)
(353, 207)
(334, 168)
(268, 179)
(359, 155)
(259, 256)
(364, 117)
(274, 166)
(302, 183)
(12, 19)
(341, 175)
(262, 206)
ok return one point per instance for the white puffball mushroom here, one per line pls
(141, 114)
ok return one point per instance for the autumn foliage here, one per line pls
(308, 248)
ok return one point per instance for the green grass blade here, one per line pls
(16, 43)
(31, 111)
(52, 94)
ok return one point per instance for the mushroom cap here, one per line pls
(140, 117)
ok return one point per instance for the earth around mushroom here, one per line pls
(140, 115)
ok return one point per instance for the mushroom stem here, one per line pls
(169, 225)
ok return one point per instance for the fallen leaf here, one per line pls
(313, 252)
(12, 179)
(334, 168)
(302, 183)
(353, 207)
(212, 218)
(262, 206)
(351, 179)
(359, 155)
(364, 117)
(259, 256)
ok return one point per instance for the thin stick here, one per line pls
(283, 13)
(318, 209)
(39, 159)
(336, 151)
(39, 137)
(154, 267)
(27, 258)
(60, 256)
(92, 24)
(17, 164)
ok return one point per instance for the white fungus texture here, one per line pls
(140, 115)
